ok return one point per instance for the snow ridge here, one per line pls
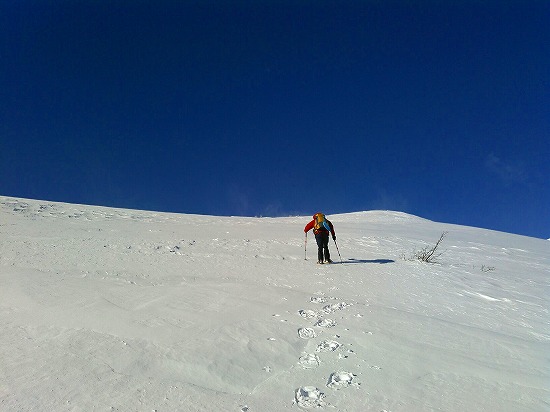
(115, 309)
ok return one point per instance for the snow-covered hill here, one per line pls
(110, 309)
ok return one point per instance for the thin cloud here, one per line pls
(385, 201)
(509, 173)
(238, 200)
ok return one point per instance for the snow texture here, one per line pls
(122, 310)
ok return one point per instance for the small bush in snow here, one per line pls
(429, 254)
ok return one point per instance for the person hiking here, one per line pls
(321, 227)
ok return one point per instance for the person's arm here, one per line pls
(309, 226)
(332, 230)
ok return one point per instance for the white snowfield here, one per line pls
(120, 310)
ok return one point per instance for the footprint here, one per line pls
(340, 380)
(308, 314)
(328, 346)
(309, 361)
(325, 323)
(306, 333)
(309, 397)
(335, 306)
(319, 299)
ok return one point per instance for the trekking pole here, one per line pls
(338, 250)
(305, 248)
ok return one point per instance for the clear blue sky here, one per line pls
(436, 108)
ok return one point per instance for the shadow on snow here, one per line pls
(379, 261)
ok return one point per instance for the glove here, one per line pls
(334, 238)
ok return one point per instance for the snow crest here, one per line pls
(160, 311)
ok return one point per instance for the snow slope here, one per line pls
(109, 309)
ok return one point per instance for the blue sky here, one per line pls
(436, 108)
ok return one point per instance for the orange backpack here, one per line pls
(321, 222)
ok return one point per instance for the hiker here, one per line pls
(321, 227)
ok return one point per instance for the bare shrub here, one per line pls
(430, 254)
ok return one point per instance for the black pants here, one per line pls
(322, 246)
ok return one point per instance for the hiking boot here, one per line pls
(319, 262)
(330, 261)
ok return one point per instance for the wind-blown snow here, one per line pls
(110, 309)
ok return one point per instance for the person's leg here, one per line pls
(325, 247)
(319, 240)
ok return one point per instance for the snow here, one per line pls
(122, 310)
